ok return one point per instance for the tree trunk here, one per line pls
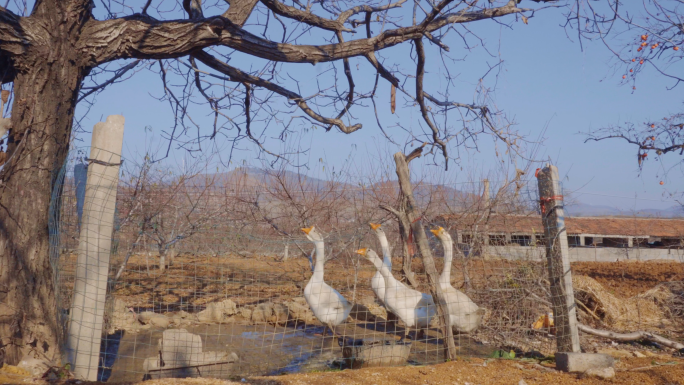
(407, 248)
(45, 89)
(401, 161)
(405, 232)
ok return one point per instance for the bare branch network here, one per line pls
(197, 62)
(651, 39)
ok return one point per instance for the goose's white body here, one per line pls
(414, 308)
(327, 304)
(465, 316)
(378, 282)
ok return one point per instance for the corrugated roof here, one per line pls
(654, 227)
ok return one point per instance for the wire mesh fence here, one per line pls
(250, 273)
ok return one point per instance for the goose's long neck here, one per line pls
(448, 257)
(381, 267)
(386, 254)
(320, 262)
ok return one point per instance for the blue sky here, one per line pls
(546, 82)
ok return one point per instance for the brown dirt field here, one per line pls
(661, 370)
(196, 280)
(496, 372)
(627, 279)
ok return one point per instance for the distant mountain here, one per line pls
(247, 178)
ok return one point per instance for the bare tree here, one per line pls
(57, 53)
(649, 40)
(167, 204)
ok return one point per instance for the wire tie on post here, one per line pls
(103, 163)
(548, 199)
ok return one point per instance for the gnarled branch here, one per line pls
(143, 38)
(240, 76)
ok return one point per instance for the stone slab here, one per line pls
(380, 353)
(581, 362)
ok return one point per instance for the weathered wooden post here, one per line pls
(95, 241)
(402, 162)
(558, 260)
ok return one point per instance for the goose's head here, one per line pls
(312, 234)
(442, 234)
(367, 253)
(377, 228)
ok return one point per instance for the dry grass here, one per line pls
(623, 314)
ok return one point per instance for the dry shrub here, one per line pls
(640, 312)
(515, 297)
(669, 296)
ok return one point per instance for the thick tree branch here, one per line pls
(246, 42)
(305, 16)
(144, 38)
(12, 39)
(240, 76)
(136, 37)
(239, 11)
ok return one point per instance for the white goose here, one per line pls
(327, 304)
(465, 315)
(378, 282)
(414, 308)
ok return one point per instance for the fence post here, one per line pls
(558, 260)
(95, 241)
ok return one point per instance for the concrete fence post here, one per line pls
(558, 260)
(95, 241)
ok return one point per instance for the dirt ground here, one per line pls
(630, 371)
(627, 279)
(194, 281)
(660, 370)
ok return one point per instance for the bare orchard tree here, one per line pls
(168, 205)
(56, 53)
(648, 40)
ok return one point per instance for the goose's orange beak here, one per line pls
(307, 230)
(437, 231)
(362, 251)
(375, 226)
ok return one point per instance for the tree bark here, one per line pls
(46, 84)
